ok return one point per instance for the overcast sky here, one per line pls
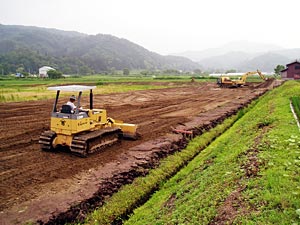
(165, 26)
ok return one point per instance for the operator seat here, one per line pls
(66, 109)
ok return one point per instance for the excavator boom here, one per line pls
(227, 82)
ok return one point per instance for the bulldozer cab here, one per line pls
(71, 88)
(68, 120)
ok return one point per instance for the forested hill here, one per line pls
(29, 48)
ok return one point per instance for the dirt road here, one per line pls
(36, 185)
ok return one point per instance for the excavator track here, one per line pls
(87, 143)
(46, 139)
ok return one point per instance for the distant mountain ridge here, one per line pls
(251, 48)
(74, 52)
(243, 56)
(28, 48)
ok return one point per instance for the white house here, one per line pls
(43, 71)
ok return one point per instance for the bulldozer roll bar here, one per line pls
(91, 99)
(55, 103)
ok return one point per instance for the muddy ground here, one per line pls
(40, 186)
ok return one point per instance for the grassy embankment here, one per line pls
(296, 105)
(13, 90)
(249, 175)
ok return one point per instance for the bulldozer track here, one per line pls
(94, 141)
(46, 139)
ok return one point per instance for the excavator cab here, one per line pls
(83, 130)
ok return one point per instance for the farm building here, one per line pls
(292, 71)
(43, 71)
(19, 75)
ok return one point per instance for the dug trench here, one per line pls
(55, 188)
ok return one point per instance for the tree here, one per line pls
(126, 71)
(54, 74)
(84, 70)
(112, 71)
(230, 71)
(171, 71)
(278, 69)
(144, 72)
(197, 71)
(20, 69)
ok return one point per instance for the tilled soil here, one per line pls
(56, 187)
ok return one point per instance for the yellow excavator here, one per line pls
(227, 82)
(83, 130)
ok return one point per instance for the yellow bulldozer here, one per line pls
(83, 131)
(241, 81)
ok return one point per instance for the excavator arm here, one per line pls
(243, 79)
(261, 75)
(227, 82)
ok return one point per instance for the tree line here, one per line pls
(75, 53)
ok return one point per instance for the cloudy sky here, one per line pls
(165, 26)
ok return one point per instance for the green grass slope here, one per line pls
(249, 175)
(127, 199)
(296, 105)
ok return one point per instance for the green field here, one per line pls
(28, 89)
(248, 175)
(12, 90)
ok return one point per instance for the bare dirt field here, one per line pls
(50, 187)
